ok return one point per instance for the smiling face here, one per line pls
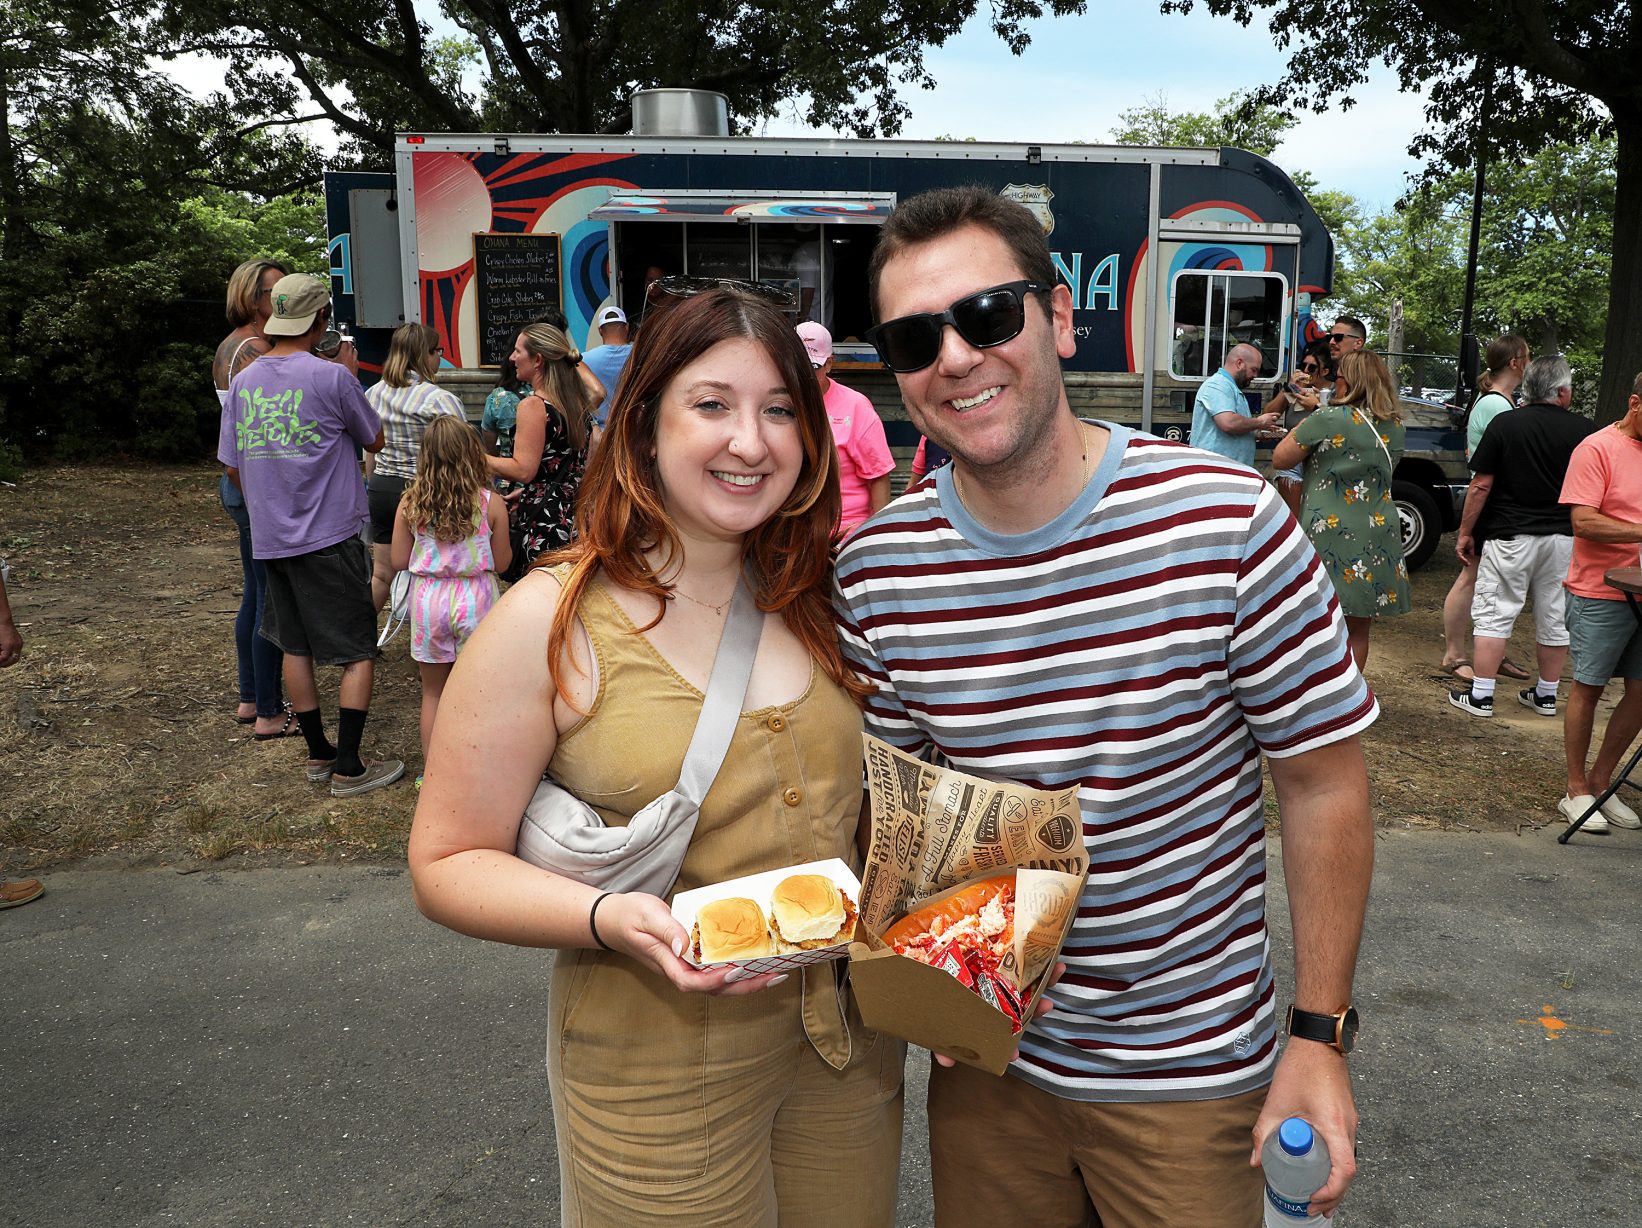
(728, 445)
(995, 408)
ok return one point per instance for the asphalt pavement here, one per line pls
(298, 1047)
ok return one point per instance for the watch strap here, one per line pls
(1324, 1029)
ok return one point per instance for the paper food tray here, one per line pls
(758, 887)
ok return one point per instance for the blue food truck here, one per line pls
(1171, 255)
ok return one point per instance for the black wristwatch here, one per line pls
(1338, 1030)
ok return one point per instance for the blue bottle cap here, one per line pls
(1295, 1136)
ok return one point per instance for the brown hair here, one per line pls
(620, 513)
(931, 215)
(450, 472)
(1501, 353)
(558, 384)
(412, 349)
(243, 287)
(1368, 383)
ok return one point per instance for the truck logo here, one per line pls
(1036, 197)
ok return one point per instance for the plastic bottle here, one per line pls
(1296, 1163)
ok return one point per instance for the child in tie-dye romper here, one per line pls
(450, 534)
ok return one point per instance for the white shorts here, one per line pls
(1513, 570)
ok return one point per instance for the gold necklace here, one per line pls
(1083, 437)
(706, 605)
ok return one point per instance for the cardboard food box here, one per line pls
(934, 830)
(758, 887)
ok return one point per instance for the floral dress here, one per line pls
(545, 516)
(1347, 509)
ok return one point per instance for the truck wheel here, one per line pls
(1420, 521)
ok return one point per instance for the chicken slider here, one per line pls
(809, 911)
(730, 929)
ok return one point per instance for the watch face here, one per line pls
(1348, 1030)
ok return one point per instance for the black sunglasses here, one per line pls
(1310, 366)
(1344, 337)
(984, 319)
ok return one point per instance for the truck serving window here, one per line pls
(1214, 311)
(816, 248)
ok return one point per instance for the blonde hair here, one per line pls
(1368, 383)
(1502, 352)
(412, 349)
(558, 384)
(450, 474)
(244, 287)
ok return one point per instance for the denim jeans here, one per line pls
(259, 660)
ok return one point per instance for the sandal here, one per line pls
(1461, 670)
(1510, 669)
(290, 729)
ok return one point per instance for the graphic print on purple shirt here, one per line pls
(293, 427)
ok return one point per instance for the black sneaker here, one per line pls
(1467, 702)
(1545, 705)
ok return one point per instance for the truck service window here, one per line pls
(1214, 311)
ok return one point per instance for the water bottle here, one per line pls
(1296, 1163)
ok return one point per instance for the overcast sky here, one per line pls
(1080, 72)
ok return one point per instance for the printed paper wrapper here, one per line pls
(933, 830)
(758, 887)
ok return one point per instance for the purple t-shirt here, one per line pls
(291, 426)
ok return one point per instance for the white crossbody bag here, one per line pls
(562, 833)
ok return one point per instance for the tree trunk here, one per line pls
(1622, 347)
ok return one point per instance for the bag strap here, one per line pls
(726, 690)
(1369, 423)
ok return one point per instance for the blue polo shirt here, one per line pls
(1217, 395)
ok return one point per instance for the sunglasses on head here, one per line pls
(984, 319)
(665, 291)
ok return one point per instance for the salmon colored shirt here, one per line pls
(1604, 473)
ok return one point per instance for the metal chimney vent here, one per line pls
(680, 113)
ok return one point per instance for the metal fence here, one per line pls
(1423, 375)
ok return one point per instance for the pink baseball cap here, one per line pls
(817, 342)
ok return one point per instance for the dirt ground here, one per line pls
(117, 737)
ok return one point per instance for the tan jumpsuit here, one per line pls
(774, 1108)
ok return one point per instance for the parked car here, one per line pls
(1430, 480)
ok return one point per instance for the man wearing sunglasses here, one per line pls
(1221, 419)
(1074, 603)
(1349, 333)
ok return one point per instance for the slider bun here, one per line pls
(731, 929)
(808, 911)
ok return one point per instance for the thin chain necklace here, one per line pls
(957, 484)
(706, 605)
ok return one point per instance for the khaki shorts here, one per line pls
(1005, 1152)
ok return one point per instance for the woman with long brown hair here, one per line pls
(680, 1095)
(549, 442)
(1349, 449)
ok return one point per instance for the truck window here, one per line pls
(823, 266)
(1211, 312)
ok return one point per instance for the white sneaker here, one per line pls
(1573, 807)
(1621, 815)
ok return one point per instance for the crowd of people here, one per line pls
(1054, 601)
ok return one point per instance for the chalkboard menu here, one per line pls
(515, 276)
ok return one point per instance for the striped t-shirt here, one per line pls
(406, 413)
(1148, 644)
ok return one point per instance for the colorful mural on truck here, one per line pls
(1094, 211)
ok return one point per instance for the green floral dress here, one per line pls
(1347, 509)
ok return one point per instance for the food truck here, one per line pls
(1171, 255)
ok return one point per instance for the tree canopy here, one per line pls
(1238, 120)
(1507, 79)
(572, 65)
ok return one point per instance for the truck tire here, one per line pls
(1421, 523)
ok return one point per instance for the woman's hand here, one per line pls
(642, 926)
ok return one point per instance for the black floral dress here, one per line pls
(544, 518)
(1348, 512)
